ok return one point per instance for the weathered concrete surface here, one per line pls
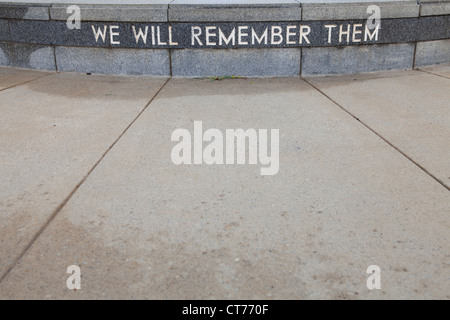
(10, 77)
(410, 110)
(141, 227)
(53, 131)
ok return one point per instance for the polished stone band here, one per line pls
(227, 35)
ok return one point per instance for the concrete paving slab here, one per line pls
(10, 77)
(343, 199)
(440, 70)
(409, 109)
(53, 132)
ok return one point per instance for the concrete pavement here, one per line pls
(88, 180)
(54, 130)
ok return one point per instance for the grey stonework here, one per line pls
(223, 37)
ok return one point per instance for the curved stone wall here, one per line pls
(223, 37)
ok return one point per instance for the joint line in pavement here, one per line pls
(67, 199)
(379, 135)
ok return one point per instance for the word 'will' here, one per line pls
(235, 147)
